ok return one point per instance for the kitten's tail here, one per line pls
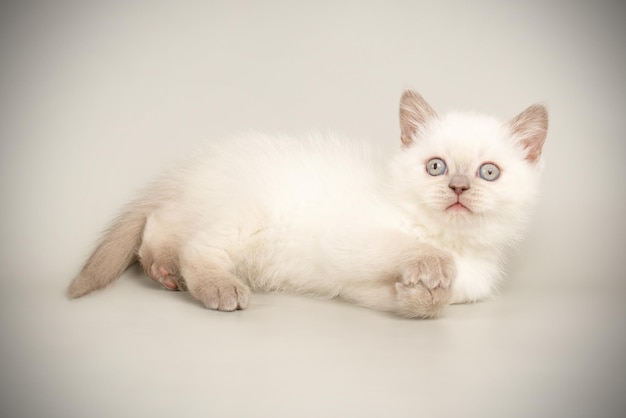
(115, 253)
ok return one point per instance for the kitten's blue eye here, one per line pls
(489, 172)
(436, 167)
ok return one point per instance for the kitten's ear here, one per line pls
(414, 114)
(531, 127)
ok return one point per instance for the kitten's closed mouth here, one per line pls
(458, 207)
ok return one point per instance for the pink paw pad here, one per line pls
(160, 274)
(169, 284)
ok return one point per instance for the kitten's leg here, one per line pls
(420, 287)
(207, 275)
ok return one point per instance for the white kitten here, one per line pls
(332, 217)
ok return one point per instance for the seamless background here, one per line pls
(96, 98)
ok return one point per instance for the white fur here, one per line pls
(321, 213)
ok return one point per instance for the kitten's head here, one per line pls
(469, 169)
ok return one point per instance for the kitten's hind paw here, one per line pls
(425, 284)
(222, 293)
(164, 276)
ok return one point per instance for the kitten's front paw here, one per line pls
(425, 285)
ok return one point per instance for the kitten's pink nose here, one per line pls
(459, 183)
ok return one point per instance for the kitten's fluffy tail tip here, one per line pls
(80, 286)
